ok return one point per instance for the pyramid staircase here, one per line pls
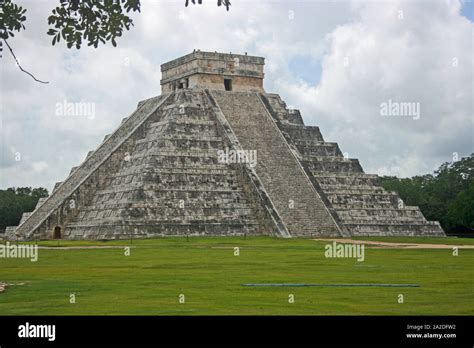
(286, 182)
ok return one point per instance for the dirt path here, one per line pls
(369, 243)
(86, 247)
(381, 245)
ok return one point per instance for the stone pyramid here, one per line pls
(181, 165)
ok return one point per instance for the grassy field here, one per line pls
(205, 270)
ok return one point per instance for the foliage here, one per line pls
(12, 18)
(226, 3)
(461, 211)
(94, 20)
(446, 196)
(15, 201)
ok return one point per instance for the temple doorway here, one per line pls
(57, 232)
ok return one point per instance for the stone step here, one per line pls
(167, 172)
(204, 169)
(183, 122)
(172, 140)
(382, 219)
(327, 175)
(157, 189)
(353, 186)
(307, 143)
(364, 205)
(280, 111)
(153, 191)
(159, 208)
(278, 169)
(24, 216)
(332, 164)
(190, 184)
(353, 190)
(219, 175)
(389, 212)
(56, 185)
(10, 233)
(190, 171)
(368, 198)
(100, 217)
(193, 204)
(177, 153)
(192, 178)
(402, 229)
(188, 129)
(320, 150)
(222, 220)
(40, 201)
(119, 231)
(303, 133)
(188, 160)
(190, 114)
(346, 179)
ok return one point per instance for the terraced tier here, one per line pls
(180, 186)
(361, 205)
(161, 176)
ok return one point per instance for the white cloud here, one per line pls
(39, 167)
(405, 60)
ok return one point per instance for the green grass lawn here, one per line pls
(205, 270)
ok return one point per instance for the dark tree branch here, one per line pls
(18, 63)
(226, 3)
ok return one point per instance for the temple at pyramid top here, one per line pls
(213, 70)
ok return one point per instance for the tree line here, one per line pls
(446, 196)
(15, 201)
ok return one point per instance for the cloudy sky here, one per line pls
(336, 61)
